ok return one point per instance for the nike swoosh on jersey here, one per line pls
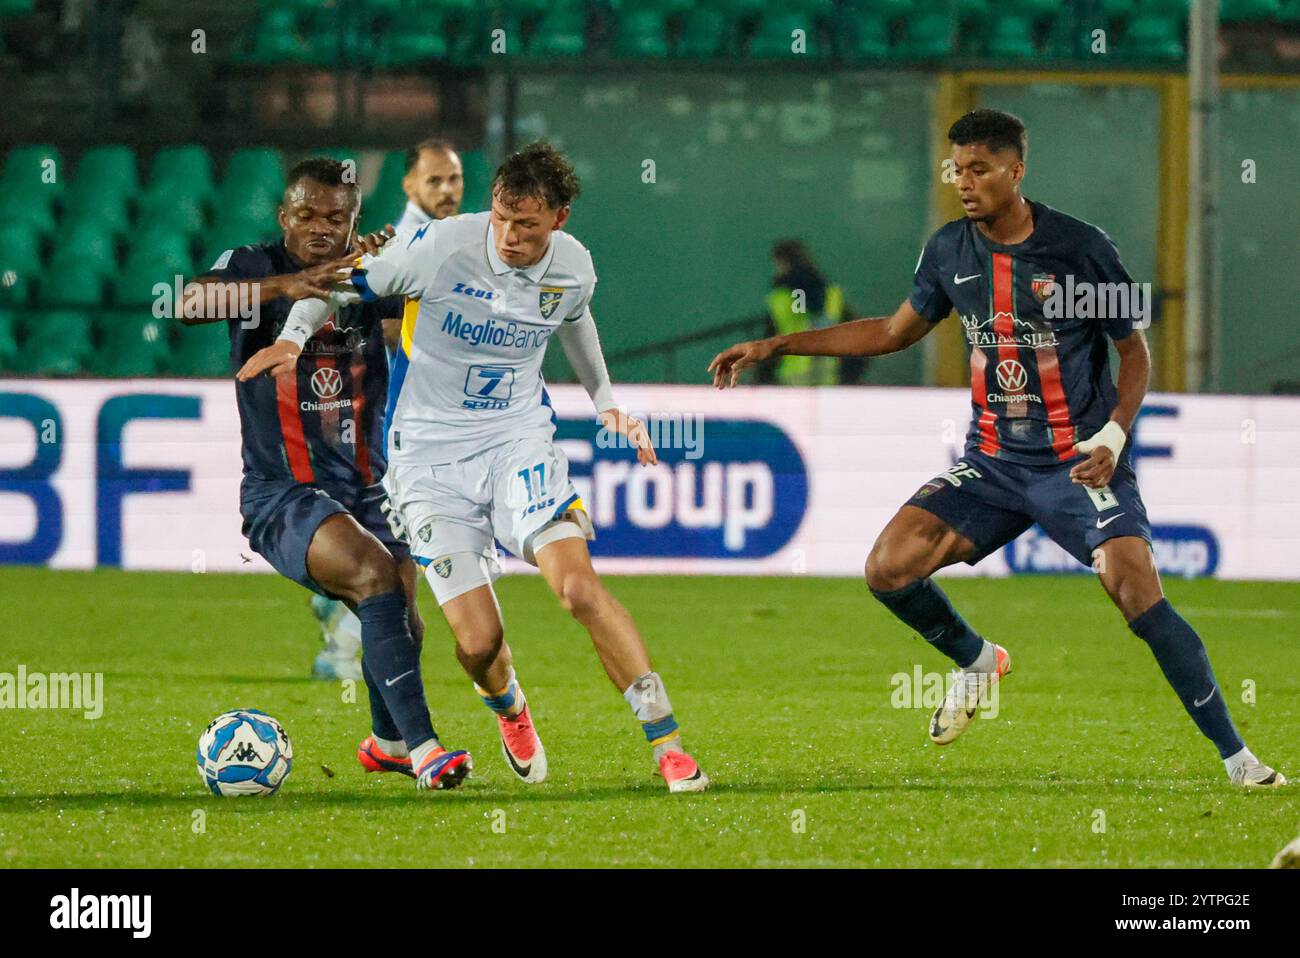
(391, 682)
(958, 280)
(1204, 700)
(1103, 523)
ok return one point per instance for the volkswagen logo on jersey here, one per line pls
(326, 382)
(1012, 376)
(745, 498)
(548, 299)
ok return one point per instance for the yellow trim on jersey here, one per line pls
(410, 311)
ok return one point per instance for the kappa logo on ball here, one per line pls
(443, 568)
(1012, 376)
(326, 382)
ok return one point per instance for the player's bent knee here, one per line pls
(582, 595)
(883, 570)
(375, 574)
(476, 649)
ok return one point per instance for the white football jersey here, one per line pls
(413, 215)
(473, 350)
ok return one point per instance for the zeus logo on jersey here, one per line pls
(491, 333)
(471, 291)
(744, 498)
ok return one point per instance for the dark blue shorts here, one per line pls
(991, 501)
(281, 516)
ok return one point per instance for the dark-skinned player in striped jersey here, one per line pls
(313, 453)
(1048, 440)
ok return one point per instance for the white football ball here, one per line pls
(244, 752)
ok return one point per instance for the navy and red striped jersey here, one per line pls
(323, 425)
(1038, 385)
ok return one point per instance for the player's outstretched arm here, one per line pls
(208, 299)
(305, 319)
(861, 337)
(581, 345)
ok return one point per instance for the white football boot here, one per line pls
(966, 693)
(1253, 773)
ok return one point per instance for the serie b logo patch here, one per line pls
(548, 299)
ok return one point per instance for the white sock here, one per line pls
(1244, 757)
(396, 749)
(986, 661)
(421, 752)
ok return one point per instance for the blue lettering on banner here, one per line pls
(33, 479)
(116, 480)
(745, 498)
(1181, 550)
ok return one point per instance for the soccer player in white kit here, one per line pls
(471, 457)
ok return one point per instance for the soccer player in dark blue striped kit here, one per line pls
(1039, 294)
(314, 456)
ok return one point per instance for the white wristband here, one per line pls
(1111, 436)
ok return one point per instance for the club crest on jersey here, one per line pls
(548, 299)
(443, 568)
(1043, 284)
(425, 532)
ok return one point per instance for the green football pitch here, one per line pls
(791, 692)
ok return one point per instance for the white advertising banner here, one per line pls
(144, 474)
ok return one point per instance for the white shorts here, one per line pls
(508, 493)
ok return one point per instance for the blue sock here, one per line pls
(381, 722)
(394, 660)
(1182, 658)
(923, 606)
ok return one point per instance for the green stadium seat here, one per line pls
(109, 166)
(1248, 11)
(277, 41)
(132, 344)
(202, 350)
(36, 214)
(16, 8)
(67, 281)
(1153, 37)
(864, 35)
(1012, 37)
(561, 33)
(775, 36)
(1290, 12)
(8, 339)
(91, 243)
(20, 246)
(59, 343)
(406, 44)
(641, 33)
(928, 35)
(25, 166)
(706, 33)
(148, 265)
(888, 9)
(244, 209)
(256, 170)
(180, 168)
(16, 287)
(179, 211)
(105, 207)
